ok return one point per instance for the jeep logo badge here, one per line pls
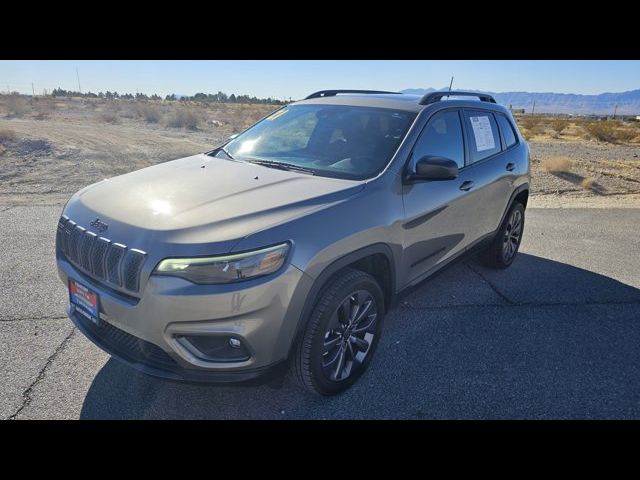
(99, 225)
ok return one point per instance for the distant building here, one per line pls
(517, 111)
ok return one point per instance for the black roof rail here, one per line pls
(333, 93)
(437, 96)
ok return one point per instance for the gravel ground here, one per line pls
(615, 168)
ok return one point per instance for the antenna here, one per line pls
(451, 83)
(78, 75)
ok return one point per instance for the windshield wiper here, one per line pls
(283, 166)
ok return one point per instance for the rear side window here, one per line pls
(442, 137)
(507, 130)
(482, 129)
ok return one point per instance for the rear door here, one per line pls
(487, 169)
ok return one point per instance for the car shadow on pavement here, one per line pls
(542, 339)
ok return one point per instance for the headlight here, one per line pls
(226, 268)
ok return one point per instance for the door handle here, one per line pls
(510, 166)
(466, 186)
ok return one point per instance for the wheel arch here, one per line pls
(520, 194)
(376, 259)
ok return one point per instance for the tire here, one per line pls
(318, 351)
(501, 254)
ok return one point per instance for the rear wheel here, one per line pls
(341, 335)
(504, 247)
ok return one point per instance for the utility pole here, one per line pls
(78, 75)
(615, 110)
(33, 90)
(533, 110)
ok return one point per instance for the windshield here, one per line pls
(328, 140)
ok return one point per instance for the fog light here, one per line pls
(215, 348)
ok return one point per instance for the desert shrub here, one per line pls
(6, 135)
(150, 113)
(184, 118)
(128, 113)
(558, 125)
(608, 131)
(2, 149)
(43, 108)
(529, 121)
(588, 183)
(16, 106)
(110, 116)
(557, 164)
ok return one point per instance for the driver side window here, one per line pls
(442, 137)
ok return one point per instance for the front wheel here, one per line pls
(504, 247)
(341, 335)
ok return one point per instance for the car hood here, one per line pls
(202, 199)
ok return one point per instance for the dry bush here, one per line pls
(588, 183)
(609, 131)
(2, 149)
(16, 106)
(530, 126)
(110, 116)
(6, 135)
(127, 113)
(557, 164)
(183, 117)
(559, 125)
(44, 108)
(529, 122)
(150, 113)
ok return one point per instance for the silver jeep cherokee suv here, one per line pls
(292, 239)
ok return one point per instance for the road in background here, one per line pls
(557, 335)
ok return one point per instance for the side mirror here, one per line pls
(435, 168)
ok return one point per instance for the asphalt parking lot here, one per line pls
(555, 336)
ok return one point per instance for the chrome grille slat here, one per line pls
(99, 257)
(86, 244)
(76, 236)
(66, 240)
(113, 262)
(131, 266)
(100, 249)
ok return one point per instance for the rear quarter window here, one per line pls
(506, 128)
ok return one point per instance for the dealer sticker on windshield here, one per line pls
(84, 300)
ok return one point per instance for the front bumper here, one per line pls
(144, 332)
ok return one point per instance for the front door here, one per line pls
(439, 214)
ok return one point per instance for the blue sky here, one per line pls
(297, 78)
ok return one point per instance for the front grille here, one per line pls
(99, 257)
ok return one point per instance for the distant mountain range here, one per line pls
(602, 104)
